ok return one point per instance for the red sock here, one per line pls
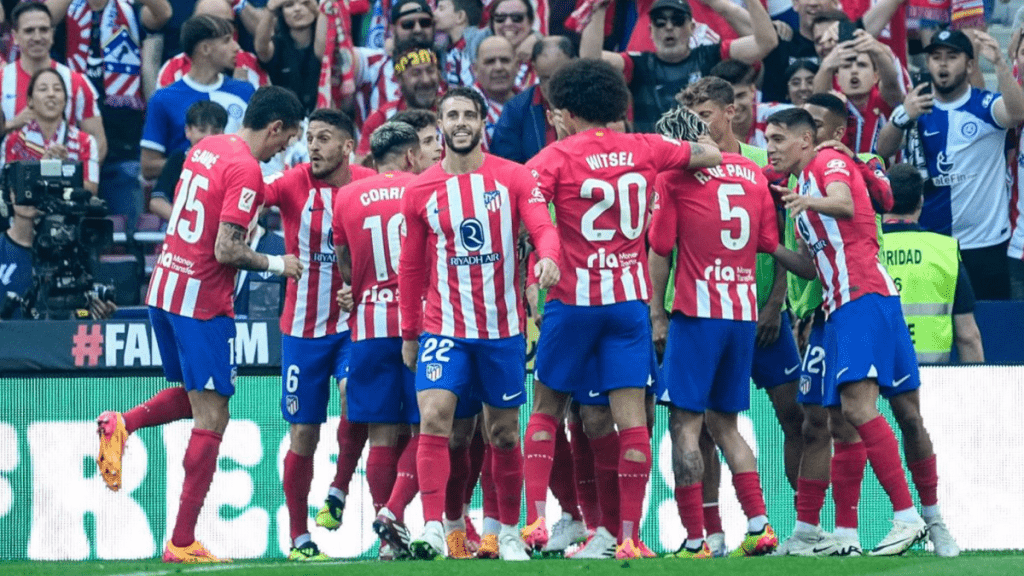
(200, 463)
(583, 470)
(562, 480)
(810, 497)
(507, 471)
(351, 439)
(691, 512)
(848, 464)
(381, 472)
(298, 475)
(487, 487)
(406, 483)
(925, 474)
(455, 494)
(477, 449)
(538, 458)
(633, 477)
(712, 519)
(884, 455)
(167, 405)
(432, 468)
(748, 492)
(606, 476)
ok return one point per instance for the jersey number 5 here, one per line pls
(730, 213)
(609, 194)
(185, 201)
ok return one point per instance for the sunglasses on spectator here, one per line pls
(518, 18)
(423, 22)
(662, 20)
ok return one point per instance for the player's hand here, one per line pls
(917, 104)
(795, 203)
(556, 120)
(410, 352)
(659, 329)
(292, 267)
(547, 273)
(837, 145)
(345, 300)
(769, 324)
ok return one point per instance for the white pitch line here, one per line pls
(184, 569)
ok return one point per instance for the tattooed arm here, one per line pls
(232, 249)
(704, 156)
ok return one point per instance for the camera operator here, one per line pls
(16, 261)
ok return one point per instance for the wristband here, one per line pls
(275, 264)
(900, 118)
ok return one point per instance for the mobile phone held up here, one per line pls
(846, 29)
(925, 78)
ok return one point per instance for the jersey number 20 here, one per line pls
(609, 195)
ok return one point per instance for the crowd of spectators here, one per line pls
(127, 86)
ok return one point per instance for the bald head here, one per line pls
(549, 55)
(494, 68)
(219, 8)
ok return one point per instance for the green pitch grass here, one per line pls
(969, 564)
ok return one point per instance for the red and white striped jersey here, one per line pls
(601, 182)
(221, 181)
(525, 77)
(179, 65)
(460, 249)
(845, 251)
(82, 102)
(494, 109)
(30, 143)
(863, 126)
(307, 211)
(719, 218)
(369, 221)
(375, 83)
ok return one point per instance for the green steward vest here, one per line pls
(924, 266)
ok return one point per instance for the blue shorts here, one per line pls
(491, 372)
(812, 370)
(868, 338)
(594, 349)
(198, 353)
(655, 384)
(778, 363)
(307, 365)
(381, 389)
(707, 363)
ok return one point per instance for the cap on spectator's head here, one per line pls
(407, 7)
(680, 5)
(954, 39)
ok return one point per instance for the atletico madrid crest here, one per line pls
(493, 200)
(433, 372)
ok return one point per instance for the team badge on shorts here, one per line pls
(805, 385)
(493, 200)
(291, 403)
(433, 372)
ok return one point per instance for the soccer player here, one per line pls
(190, 301)
(600, 181)
(314, 330)
(463, 218)
(368, 227)
(718, 218)
(867, 345)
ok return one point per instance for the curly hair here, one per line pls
(590, 89)
(682, 124)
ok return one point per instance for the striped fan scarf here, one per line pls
(119, 37)
(337, 73)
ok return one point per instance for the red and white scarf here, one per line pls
(337, 73)
(122, 52)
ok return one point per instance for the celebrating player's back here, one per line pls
(220, 182)
(719, 218)
(601, 182)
